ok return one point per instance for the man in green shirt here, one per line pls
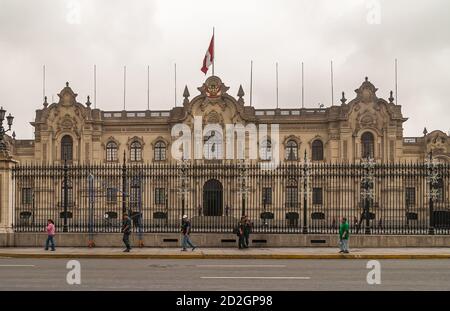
(344, 234)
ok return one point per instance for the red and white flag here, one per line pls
(209, 56)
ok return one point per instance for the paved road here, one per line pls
(197, 274)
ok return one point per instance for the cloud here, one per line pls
(115, 33)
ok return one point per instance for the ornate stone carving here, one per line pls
(292, 137)
(438, 142)
(66, 123)
(213, 87)
(367, 120)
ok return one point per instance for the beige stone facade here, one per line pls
(365, 124)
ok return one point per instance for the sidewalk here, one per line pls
(228, 253)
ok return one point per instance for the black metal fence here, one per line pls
(289, 198)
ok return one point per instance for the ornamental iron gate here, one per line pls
(290, 198)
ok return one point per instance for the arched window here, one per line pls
(212, 148)
(367, 145)
(160, 151)
(135, 151)
(317, 150)
(291, 194)
(111, 151)
(67, 148)
(291, 150)
(266, 150)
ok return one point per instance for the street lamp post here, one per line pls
(305, 193)
(66, 193)
(433, 193)
(242, 180)
(183, 188)
(367, 192)
(3, 131)
(124, 185)
(166, 198)
(265, 209)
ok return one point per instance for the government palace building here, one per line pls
(347, 160)
(345, 133)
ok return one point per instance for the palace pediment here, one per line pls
(213, 104)
(367, 111)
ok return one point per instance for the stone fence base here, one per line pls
(225, 240)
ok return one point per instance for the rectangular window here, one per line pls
(111, 154)
(136, 154)
(160, 154)
(111, 195)
(291, 197)
(267, 195)
(160, 194)
(27, 195)
(317, 196)
(410, 196)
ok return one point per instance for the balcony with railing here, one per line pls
(135, 114)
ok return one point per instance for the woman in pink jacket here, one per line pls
(50, 235)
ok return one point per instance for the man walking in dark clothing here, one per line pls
(247, 230)
(126, 230)
(186, 230)
(241, 233)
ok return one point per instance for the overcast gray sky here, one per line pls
(362, 37)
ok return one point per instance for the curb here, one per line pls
(225, 256)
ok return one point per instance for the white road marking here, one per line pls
(241, 266)
(259, 277)
(17, 265)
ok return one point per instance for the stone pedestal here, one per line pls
(6, 195)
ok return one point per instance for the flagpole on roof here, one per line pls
(124, 86)
(396, 85)
(276, 72)
(148, 87)
(251, 82)
(303, 88)
(214, 53)
(95, 86)
(332, 85)
(43, 82)
(175, 69)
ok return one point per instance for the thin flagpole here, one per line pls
(303, 88)
(332, 85)
(175, 89)
(148, 87)
(396, 83)
(95, 86)
(43, 83)
(124, 86)
(251, 82)
(276, 71)
(214, 51)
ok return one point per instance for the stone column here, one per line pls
(6, 196)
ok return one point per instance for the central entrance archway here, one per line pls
(212, 198)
